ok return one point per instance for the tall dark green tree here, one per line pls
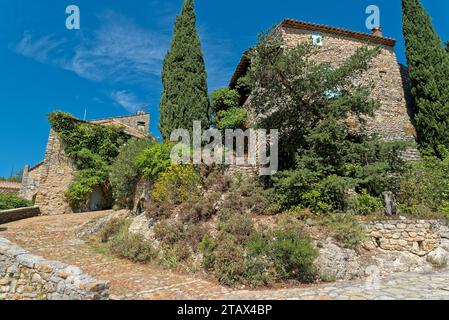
(429, 73)
(447, 46)
(185, 97)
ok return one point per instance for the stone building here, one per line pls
(47, 182)
(392, 120)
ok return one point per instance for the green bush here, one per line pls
(424, 188)
(169, 232)
(130, 246)
(346, 229)
(207, 247)
(125, 171)
(229, 264)
(177, 184)
(237, 224)
(234, 118)
(12, 201)
(365, 204)
(224, 99)
(154, 160)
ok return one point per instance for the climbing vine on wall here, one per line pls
(92, 148)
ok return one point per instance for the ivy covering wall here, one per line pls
(92, 148)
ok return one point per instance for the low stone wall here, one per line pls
(418, 237)
(24, 276)
(7, 216)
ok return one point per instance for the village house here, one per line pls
(391, 88)
(47, 182)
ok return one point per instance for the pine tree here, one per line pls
(185, 96)
(428, 65)
(447, 46)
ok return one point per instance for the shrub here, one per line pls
(224, 99)
(131, 246)
(423, 187)
(154, 160)
(177, 184)
(229, 264)
(12, 201)
(234, 118)
(207, 247)
(293, 252)
(347, 230)
(239, 225)
(125, 172)
(111, 229)
(365, 204)
(169, 232)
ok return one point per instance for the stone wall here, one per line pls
(7, 216)
(24, 276)
(418, 237)
(57, 173)
(30, 181)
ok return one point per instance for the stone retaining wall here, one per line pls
(24, 276)
(418, 237)
(7, 216)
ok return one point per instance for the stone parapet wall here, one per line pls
(7, 216)
(24, 276)
(418, 237)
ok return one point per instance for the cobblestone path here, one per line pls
(53, 237)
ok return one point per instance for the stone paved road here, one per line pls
(53, 237)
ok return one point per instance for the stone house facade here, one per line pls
(389, 79)
(47, 182)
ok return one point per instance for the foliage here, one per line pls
(240, 225)
(93, 149)
(428, 67)
(229, 264)
(346, 229)
(169, 232)
(125, 171)
(9, 200)
(177, 184)
(185, 96)
(323, 155)
(365, 204)
(154, 160)
(224, 99)
(424, 187)
(130, 246)
(207, 247)
(233, 118)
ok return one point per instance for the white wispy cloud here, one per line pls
(119, 50)
(127, 100)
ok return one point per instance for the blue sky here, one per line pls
(112, 65)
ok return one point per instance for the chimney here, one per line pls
(377, 32)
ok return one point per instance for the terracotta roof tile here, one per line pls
(10, 185)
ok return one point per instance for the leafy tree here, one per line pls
(310, 103)
(429, 73)
(125, 171)
(185, 97)
(154, 160)
(227, 112)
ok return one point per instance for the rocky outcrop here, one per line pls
(24, 276)
(93, 227)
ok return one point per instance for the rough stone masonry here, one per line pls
(24, 276)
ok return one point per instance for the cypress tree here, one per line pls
(428, 65)
(185, 96)
(447, 46)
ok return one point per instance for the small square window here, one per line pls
(317, 40)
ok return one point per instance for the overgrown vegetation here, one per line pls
(93, 149)
(126, 171)
(226, 110)
(325, 156)
(9, 200)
